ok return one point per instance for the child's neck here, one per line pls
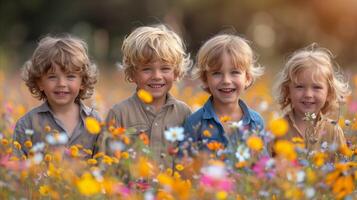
(232, 111)
(158, 103)
(68, 115)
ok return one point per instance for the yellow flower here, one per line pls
(299, 142)
(44, 190)
(255, 143)
(225, 119)
(88, 151)
(145, 96)
(47, 128)
(92, 161)
(143, 168)
(48, 157)
(165, 180)
(125, 155)
(221, 195)
(278, 127)
(87, 185)
(162, 195)
(179, 167)
(215, 146)
(92, 125)
(53, 172)
(346, 151)
(319, 159)
(107, 160)
(239, 165)
(17, 145)
(4, 142)
(98, 155)
(207, 133)
(285, 149)
(28, 144)
(74, 151)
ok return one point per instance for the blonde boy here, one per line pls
(61, 74)
(153, 58)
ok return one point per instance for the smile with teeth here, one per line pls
(227, 90)
(156, 85)
(61, 93)
(307, 103)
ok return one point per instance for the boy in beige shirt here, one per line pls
(153, 58)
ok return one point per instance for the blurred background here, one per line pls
(275, 27)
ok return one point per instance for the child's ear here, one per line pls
(249, 81)
(39, 85)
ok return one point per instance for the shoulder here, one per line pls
(257, 118)
(182, 106)
(124, 105)
(195, 117)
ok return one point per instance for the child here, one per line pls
(310, 89)
(226, 67)
(153, 58)
(61, 74)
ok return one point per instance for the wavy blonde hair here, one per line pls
(68, 52)
(321, 60)
(151, 43)
(209, 56)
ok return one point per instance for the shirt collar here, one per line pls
(44, 107)
(210, 113)
(170, 100)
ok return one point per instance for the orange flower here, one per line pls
(144, 138)
(28, 144)
(214, 146)
(225, 119)
(278, 127)
(207, 133)
(255, 143)
(118, 131)
(17, 145)
(346, 151)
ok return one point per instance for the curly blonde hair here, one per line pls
(150, 43)
(209, 56)
(68, 52)
(320, 59)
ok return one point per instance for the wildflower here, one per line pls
(242, 153)
(73, 150)
(57, 138)
(87, 185)
(144, 96)
(279, 127)
(29, 132)
(179, 167)
(239, 165)
(118, 131)
(319, 158)
(107, 160)
(28, 144)
(225, 119)
(4, 142)
(174, 134)
(286, 149)
(48, 157)
(17, 145)
(236, 125)
(221, 195)
(125, 139)
(255, 143)
(38, 147)
(44, 190)
(92, 161)
(125, 155)
(88, 151)
(98, 155)
(47, 129)
(207, 133)
(143, 167)
(92, 125)
(346, 151)
(215, 146)
(144, 138)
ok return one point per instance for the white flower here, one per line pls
(29, 132)
(236, 125)
(38, 147)
(174, 134)
(216, 170)
(116, 146)
(300, 176)
(309, 192)
(61, 138)
(242, 153)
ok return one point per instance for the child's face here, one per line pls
(226, 83)
(60, 88)
(308, 94)
(156, 77)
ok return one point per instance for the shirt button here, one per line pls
(147, 108)
(155, 124)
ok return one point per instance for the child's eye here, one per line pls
(216, 73)
(236, 72)
(298, 86)
(71, 76)
(51, 76)
(166, 69)
(317, 87)
(146, 69)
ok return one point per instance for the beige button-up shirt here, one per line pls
(32, 127)
(133, 113)
(325, 130)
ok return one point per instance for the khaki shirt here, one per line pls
(324, 131)
(133, 113)
(40, 117)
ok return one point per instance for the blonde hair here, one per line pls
(70, 54)
(319, 59)
(150, 43)
(210, 56)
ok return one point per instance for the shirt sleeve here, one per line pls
(21, 137)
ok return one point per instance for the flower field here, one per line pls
(55, 172)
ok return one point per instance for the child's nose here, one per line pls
(308, 92)
(61, 81)
(157, 74)
(226, 78)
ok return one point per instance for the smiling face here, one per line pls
(156, 78)
(308, 93)
(227, 82)
(61, 88)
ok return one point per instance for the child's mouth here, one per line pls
(226, 90)
(156, 85)
(61, 93)
(308, 103)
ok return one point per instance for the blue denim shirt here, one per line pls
(206, 119)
